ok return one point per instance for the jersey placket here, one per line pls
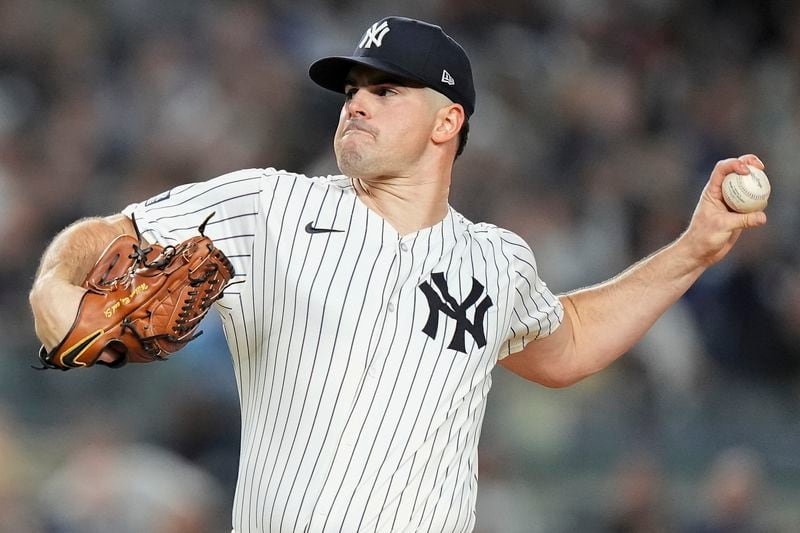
(404, 257)
(399, 297)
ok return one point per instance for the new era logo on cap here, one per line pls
(447, 78)
(410, 49)
(374, 35)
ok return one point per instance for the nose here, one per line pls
(356, 105)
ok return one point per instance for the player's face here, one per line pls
(385, 125)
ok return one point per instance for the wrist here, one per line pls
(689, 254)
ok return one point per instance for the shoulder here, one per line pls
(276, 178)
(276, 174)
(491, 232)
(503, 243)
(338, 181)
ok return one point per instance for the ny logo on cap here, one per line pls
(374, 35)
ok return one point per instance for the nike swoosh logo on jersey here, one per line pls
(312, 230)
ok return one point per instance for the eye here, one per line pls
(349, 92)
(385, 91)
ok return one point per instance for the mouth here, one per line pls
(353, 132)
(357, 128)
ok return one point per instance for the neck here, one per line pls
(408, 204)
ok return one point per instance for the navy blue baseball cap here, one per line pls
(410, 49)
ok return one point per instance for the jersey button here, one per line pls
(373, 371)
(403, 247)
(390, 307)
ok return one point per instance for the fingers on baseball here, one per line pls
(752, 159)
(725, 167)
(734, 164)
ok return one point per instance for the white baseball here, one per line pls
(745, 193)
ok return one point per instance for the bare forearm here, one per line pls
(603, 322)
(609, 318)
(71, 254)
(56, 292)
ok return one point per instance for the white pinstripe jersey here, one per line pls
(363, 358)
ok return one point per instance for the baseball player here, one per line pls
(370, 313)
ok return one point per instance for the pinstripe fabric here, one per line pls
(353, 418)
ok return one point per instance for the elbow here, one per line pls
(567, 371)
(552, 376)
(573, 370)
(560, 380)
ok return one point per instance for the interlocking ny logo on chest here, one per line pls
(443, 302)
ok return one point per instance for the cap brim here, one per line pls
(331, 72)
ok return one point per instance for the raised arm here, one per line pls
(604, 321)
(56, 292)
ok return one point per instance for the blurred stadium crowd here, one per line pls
(596, 127)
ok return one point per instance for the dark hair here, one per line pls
(462, 137)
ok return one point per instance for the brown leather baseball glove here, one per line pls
(143, 304)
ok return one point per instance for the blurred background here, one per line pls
(597, 125)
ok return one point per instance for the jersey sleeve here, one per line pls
(536, 312)
(232, 200)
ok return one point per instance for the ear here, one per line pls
(448, 122)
